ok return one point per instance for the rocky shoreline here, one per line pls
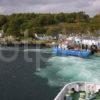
(22, 44)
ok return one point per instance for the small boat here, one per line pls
(71, 52)
(79, 91)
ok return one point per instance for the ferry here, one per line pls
(75, 46)
(79, 91)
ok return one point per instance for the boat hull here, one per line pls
(77, 53)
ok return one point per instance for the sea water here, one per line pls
(62, 70)
(19, 80)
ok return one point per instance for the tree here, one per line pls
(59, 17)
(14, 27)
(95, 23)
(53, 31)
(3, 20)
(16, 24)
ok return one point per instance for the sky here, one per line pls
(91, 7)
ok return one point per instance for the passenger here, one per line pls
(63, 46)
(82, 96)
(73, 90)
(86, 47)
(83, 46)
(59, 46)
(68, 95)
(72, 95)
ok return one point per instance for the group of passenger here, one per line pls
(82, 95)
(65, 44)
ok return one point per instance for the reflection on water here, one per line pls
(61, 70)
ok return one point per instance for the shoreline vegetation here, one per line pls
(22, 28)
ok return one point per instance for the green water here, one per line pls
(62, 70)
(19, 79)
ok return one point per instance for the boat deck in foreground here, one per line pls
(79, 91)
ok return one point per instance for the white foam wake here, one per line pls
(61, 70)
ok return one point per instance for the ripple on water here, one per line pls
(61, 70)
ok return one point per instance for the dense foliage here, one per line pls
(18, 24)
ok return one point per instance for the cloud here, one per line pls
(1, 10)
(54, 6)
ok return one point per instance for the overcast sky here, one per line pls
(91, 7)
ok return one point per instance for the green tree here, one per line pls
(3, 20)
(53, 30)
(14, 27)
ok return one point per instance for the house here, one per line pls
(44, 37)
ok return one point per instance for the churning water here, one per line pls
(62, 70)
